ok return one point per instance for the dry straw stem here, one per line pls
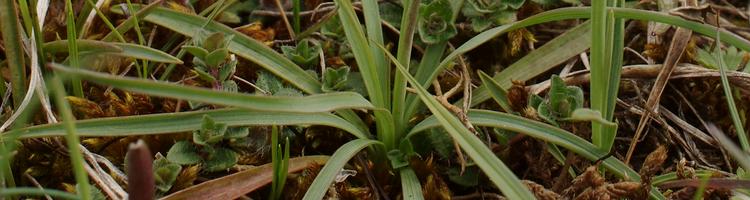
(683, 70)
(676, 49)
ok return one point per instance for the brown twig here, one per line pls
(36, 183)
(271, 13)
(380, 194)
(676, 49)
(683, 70)
(705, 125)
(444, 101)
(285, 19)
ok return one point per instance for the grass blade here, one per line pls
(738, 125)
(374, 28)
(336, 162)
(306, 104)
(546, 133)
(584, 12)
(429, 63)
(599, 65)
(498, 93)
(607, 76)
(492, 166)
(371, 71)
(28, 191)
(365, 57)
(130, 22)
(410, 185)
(182, 122)
(544, 58)
(241, 45)
(295, 13)
(11, 34)
(71, 138)
(114, 48)
(406, 39)
(73, 47)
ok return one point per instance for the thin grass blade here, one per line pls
(584, 12)
(335, 164)
(11, 34)
(492, 166)
(496, 91)
(734, 113)
(29, 191)
(546, 133)
(374, 28)
(182, 122)
(242, 45)
(406, 39)
(115, 48)
(71, 138)
(372, 73)
(410, 186)
(306, 104)
(544, 58)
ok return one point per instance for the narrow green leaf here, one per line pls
(604, 92)
(29, 191)
(410, 186)
(242, 45)
(544, 58)
(374, 28)
(546, 133)
(115, 48)
(427, 65)
(71, 138)
(409, 19)
(365, 56)
(599, 66)
(73, 46)
(336, 162)
(12, 48)
(584, 12)
(495, 169)
(739, 126)
(276, 163)
(498, 93)
(374, 77)
(307, 104)
(183, 122)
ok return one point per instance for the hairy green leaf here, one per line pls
(184, 153)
